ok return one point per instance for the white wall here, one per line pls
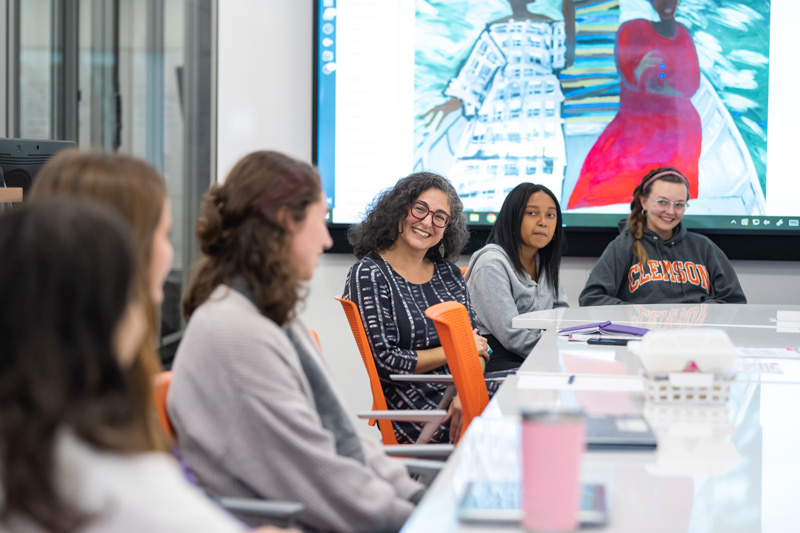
(263, 79)
(265, 95)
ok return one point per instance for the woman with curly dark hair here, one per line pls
(405, 246)
(251, 399)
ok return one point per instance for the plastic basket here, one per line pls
(688, 419)
(688, 388)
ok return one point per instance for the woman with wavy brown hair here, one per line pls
(135, 190)
(76, 454)
(655, 259)
(251, 399)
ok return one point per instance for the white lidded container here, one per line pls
(665, 354)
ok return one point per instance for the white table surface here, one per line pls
(656, 316)
(731, 467)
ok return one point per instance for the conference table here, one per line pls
(732, 466)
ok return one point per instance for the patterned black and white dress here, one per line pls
(393, 312)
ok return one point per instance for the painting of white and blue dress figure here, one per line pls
(587, 96)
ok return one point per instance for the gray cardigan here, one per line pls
(499, 293)
(247, 423)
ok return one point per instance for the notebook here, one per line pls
(604, 328)
(629, 432)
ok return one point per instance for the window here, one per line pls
(142, 69)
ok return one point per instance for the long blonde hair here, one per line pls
(637, 219)
(134, 189)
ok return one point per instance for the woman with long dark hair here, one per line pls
(518, 272)
(251, 399)
(76, 452)
(406, 246)
(655, 259)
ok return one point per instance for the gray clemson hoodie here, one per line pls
(688, 268)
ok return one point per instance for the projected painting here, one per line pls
(586, 96)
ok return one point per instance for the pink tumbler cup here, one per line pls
(552, 443)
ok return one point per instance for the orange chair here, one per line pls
(279, 512)
(161, 384)
(463, 270)
(455, 333)
(316, 338)
(378, 400)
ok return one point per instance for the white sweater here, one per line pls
(129, 493)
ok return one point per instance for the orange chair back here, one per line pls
(378, 400)
(463, 270)
(316, 338)
(455, 333)
(161, 384)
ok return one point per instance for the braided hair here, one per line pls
(638, 216)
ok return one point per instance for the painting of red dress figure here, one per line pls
(586, 96)
(656, 125)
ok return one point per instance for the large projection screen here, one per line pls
(583, 96)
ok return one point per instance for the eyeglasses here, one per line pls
(664, 204)
(420, 210)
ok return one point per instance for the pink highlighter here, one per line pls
(552, 444)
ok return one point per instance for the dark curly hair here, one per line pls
(381, 226)
(243, 232)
